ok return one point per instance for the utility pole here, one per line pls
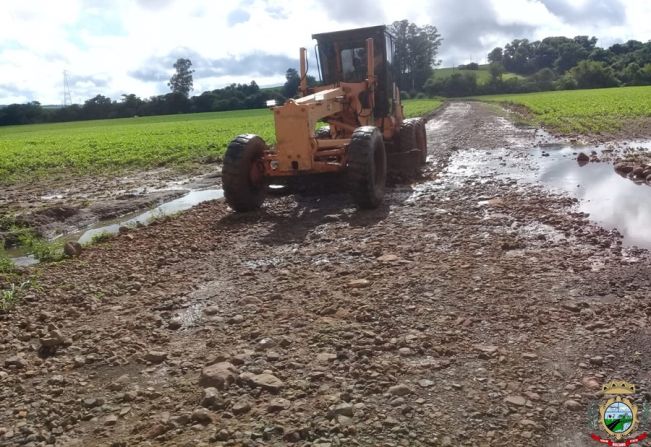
(67, 97)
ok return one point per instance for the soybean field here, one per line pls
(583, 111)
(112, 146)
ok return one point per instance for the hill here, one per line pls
(483, 74)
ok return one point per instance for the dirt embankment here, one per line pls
(456, 314)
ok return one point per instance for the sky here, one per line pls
(115, 47)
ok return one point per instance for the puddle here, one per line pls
(192, 198)
(612, 201)
(186, 202)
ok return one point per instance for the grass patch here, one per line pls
(6, 265)
(42, 250)
(101, 237)
(583, 111)
(420, 107)
(10, 297)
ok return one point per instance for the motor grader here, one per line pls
(352, 124)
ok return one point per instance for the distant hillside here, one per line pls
(483, 75)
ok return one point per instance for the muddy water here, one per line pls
(612, 201)
(139, 218)
(135, 219)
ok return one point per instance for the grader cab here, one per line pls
(352, 124)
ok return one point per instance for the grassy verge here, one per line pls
(582, 111)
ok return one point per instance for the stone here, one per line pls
(265, 381)
(582, 158)
(155, 357)
(242, 406)
(529, 356)
(110, 420)
(400, 390)
(572, 405)
(591, 383)
(517, 401)
(278, 404)
(220, 375)
(72, 249)
(425, 383)
(344, 409)
(211, 310)
(15, 361)
(202, 416)
(266, 343)
(388, 258)
(597, 360)
(359, 283)
(212, 399)
(624, 168)
(175, 323)
(325, 357)
(156, 430)
(237, 319)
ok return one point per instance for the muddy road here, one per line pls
(470, 309)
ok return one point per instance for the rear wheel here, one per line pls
(412, 137)
(243, 173)
(421, 141)
(367, 167)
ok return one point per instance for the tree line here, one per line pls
(416, 49)
(554, 63)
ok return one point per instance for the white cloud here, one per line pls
(104, 43)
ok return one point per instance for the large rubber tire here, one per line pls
(367, 167)
(412, 136)
(242, 190)
(322, 133)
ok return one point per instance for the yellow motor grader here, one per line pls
(366, 130)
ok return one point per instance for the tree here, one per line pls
(291, 85)
(496, 56)
(181, 81)
(496, 70)
(416, 50)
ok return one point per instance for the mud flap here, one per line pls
(404, 164)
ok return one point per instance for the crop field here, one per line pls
(583, 111)
(105, 146)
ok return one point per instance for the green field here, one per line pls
(583, 111)
(106, 146)
(483, 75)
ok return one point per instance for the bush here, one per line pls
(404, 96)
(589, 74)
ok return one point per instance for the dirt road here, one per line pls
(459, 313)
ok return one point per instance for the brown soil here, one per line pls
(433, 320)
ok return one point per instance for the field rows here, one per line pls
(107, 146)
(584, 111)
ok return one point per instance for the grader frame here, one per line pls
(360, 104)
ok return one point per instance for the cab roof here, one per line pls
(352, 34)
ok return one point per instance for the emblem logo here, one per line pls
(617, 415)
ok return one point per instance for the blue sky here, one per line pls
(128, 46)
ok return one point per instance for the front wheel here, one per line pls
(367, 167)
(243, 173)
